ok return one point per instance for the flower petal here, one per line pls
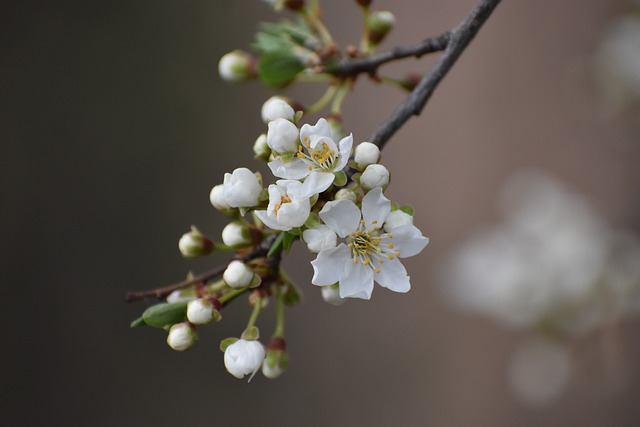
(345, 151)
(321, 128)
(407, 239)
(329, 265)
(356, 281)
(393, 276)
(316, 183)
(295, 169)
(342, 216)
(375, 208)
(270, 222)
(294, 214)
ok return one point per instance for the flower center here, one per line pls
(319, 157)
(368, 245)
(283, 199)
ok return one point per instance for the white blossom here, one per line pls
(261, 149)
(217, 198)
(276, 108)
(331, 295)
(200, 311)
(366, 154)
(317, 159)
(181, 336)
(287, 208)
(282, 136)
(374, 176)
(235, 234)
(237, 275)
(368, 253)
(241, 188)
(396, 219)
(319, 238)
(244, 358)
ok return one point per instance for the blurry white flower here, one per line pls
(375, 176)
(368, 254)
(276, 108)
(287, 208)
(331, 295)
(241, 188)
(217, 198)
(261, 149)
(244, 358)
(618, 59)
(181, 336)
(236, 66)
(194, 244)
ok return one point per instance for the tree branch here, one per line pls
(459, 39)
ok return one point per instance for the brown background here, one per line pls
(115, 126)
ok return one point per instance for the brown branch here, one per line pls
(459, 39)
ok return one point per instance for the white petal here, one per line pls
(375, 207)
(342, 216)
(393, 276)
(407, 239)
(295, 169)
(345, 151)
(321, 128)
(356, 281)
(319, 238)
(329, 264)
(294, 214)
(270, 222)
(316, 183)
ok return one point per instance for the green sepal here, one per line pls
(165, 314)
(278, 68)
(408, 209)
(292, 295)
(226, 343)
(277, 245)
(394, 206)
(288, 240)
(277, 358)
(297, 116)
(286, 157)
(243, 211)
(264, 195)
(252, 333)
(312, 221)
(340, 178)
(313, 199)
(138, 322)
(356, 178)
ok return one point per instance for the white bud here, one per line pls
(283, 136)
(346, 194)
(319, 238)
(261, 149)
(276, 108)
(194, 244)
(366, 154)
(375, 176)
(217, 198)
(274, 363)
(235, 234)
(237, 275)
(331, 295)
(200, 311)
(241, 188)
(244, 358)
(236, 66)
(181, 336)
(396, 219)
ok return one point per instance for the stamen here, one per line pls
(390, 256)
(377, 270)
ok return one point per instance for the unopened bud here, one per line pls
(366, 154)
(236, 235)
(237, 66)
(380, 23)
(182, 336)
(276, 359)
(194, 244)
(276, 108)
(346, 194)
(202, 311)
(283, 136)
(244, 357)
(331, 295)
(375, 176)
(217, 198)
(238, 275)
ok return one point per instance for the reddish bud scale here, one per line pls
(277, 343)
(364, 3)
(216, 304)
(294, 4)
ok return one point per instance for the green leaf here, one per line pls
(277, 245)
(394, 206)
(279, 68)
(408, 209)
(165, 314)
(287, 241)
(138, 322)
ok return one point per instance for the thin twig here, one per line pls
(459, 39)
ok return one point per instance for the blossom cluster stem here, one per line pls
(279, 332)
(364, 42)
(324, 99)
(257, 307)
(341, 93)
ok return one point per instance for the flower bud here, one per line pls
(276, 360)
(331, 295)
(244, 358)
(366, 154)
(182, 336)
(237, 66)
(276, 108)
(283, 136)
(380, 23)
(375, 176)
(396, 219)
(346, 194)
(236, 234)
(237, 275)
(242, 188)
(294, 5)
(261, 150)
(319, 238)
(364, 3)
(202, 311)
(217, 198)
(194, 244)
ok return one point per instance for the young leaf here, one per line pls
(165, 314)
(278, 68)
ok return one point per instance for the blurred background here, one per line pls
(115, 126)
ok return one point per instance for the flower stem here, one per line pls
(365, 46)
(231, 295)
(341, 93)
(310, 15)
(324, 100)
(279, 332)
(257, 306)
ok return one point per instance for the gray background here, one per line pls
(115, 126)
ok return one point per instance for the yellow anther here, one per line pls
(397, 253)
(310, 168)
(355, 260)
(367, 261)
(390, 236)
(390, 256)
(381, 260)
(374, 221)
(390, 245)
(377, 270)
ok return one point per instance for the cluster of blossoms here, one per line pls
(327, 194)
